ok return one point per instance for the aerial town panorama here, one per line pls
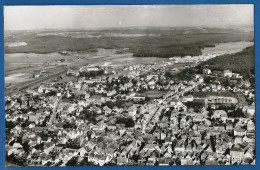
(130, 96)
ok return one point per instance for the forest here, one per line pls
(156, 42)
(242, 62)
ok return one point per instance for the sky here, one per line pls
(93, 17)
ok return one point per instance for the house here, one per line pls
(224, 117)
(229, 127)
(237, 154)
(206, 71)
(138, 98)
(88, 68)
(221, 100)
(221, 149)
(239, 132)
(32, 118)
(59, 147)
(211, 162)
(238, 139)
(227, 73)
(251, 110)
(111, 93)
(226, 159)
(162, 136)
(111, 127)
(188, 148)
(151, 160)
(187, 160)
(107, 110)
(168, 141)
(188, 98)
(248, 139)
(91, 157)
(39, 129)
(198, 118)
(179, 147)
(249, 155)
(217, 73)
(101, 160)
(141, 161)
(219, 114)
(250, 125)
(132, 111)
(150, 147)
(121, 160)
(82, 152)
(163, 161)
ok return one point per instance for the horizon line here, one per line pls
(127, 27)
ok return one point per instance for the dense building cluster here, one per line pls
(141, 118)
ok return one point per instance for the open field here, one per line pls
(241, 99)
(22, 85)
(206, 94)
(154, 94)
(227, 48)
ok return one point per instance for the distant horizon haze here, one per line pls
(89, 17)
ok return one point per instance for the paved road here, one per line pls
(56, 105)
(54, 114)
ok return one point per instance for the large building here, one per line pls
(221, 100)
(88, 68)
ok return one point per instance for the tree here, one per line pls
(39, 146)
(48, 163)
(134, 81)
(124, 79)
(178, 161)
(67, 125)
(84, 162)
(72, 162)
(10, 125)
(129, 122)
(197, 106)
(172, 162)
(25, 147)
(110, 164)
(89, 115)
(136, 158)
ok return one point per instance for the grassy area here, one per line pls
(241, 99)
(206, 94)
(153, 94)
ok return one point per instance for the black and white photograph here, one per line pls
(129, 85)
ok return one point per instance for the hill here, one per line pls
(242, 62)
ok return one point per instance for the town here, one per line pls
(144, 117)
